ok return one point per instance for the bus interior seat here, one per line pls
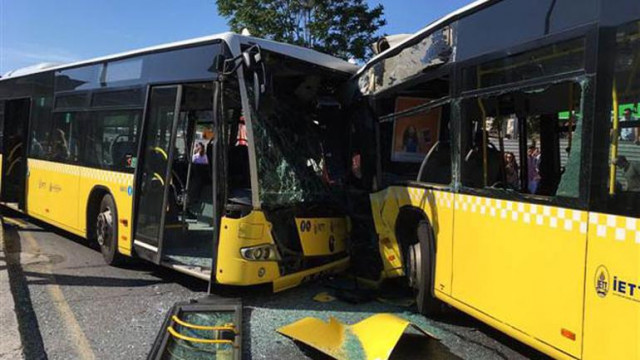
(120, 151)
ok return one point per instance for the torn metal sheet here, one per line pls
(372, 338)
(323, 297)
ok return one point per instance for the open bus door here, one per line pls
(154, 169)
(175, 214)
(14, 161)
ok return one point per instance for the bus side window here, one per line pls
(436, 166)
(110, 139)
(527, 142)
(624, 147)
(64, 137)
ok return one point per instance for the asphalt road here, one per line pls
(70, 305)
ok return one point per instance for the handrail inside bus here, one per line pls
(614, 141)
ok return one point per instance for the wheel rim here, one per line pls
(415, 266)
(104, 227)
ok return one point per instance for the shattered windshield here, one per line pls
(288, 136)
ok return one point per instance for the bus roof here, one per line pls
(294, 51)
(425, 31)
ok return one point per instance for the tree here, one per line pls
(343, 28)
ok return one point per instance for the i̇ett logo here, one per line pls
(602, 281)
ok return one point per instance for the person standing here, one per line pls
(511, 171)
(631, 172)
(199, 155)
(628, 133)
(533, 172)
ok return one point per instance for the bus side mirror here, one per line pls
(253, 62)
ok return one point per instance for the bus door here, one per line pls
(16, 120)
(153, 178)
(175, 217)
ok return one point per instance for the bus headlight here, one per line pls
(267, 252)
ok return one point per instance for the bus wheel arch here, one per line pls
(417, 241)
(102, 224)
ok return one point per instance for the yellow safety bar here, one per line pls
(159, 178)
(15, 148)
(614, 141)
(176, 334)
(226, 327)
(161, 151)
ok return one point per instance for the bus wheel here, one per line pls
(107, 231)
(421, 271)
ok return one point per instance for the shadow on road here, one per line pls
(30, 336)
(83, 280)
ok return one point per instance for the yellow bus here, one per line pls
(508, 170)
(211, 156)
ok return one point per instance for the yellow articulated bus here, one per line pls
(508, 182)
(211, 156)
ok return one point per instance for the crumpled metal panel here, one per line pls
(372, 338)
(435, 49)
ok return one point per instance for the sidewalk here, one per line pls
(10, 344)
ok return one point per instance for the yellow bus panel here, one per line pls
(437, 205)
(254, 230)
(523, 264)
(612, 293)
(120, 185)
(59, 193)
(235, 234)
(37, 189)
(322, 236)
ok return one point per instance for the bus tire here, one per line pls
(422, 271)
(107, 231)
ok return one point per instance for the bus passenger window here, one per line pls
(64, 137)
(110, 139)
(624, 150)
(524, 141)
(415, 142)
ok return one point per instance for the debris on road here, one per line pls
(372, 338)
(323, 297)
(207, 328)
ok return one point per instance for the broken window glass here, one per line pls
(525, 140)
(623, 188)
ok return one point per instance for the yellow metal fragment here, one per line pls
(323, 297)
(373, 338)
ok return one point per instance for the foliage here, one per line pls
(343, 28)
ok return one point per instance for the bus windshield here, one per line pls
(293, 157)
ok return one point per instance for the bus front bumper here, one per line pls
(292, 280)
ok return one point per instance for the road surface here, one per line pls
(70, 305)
